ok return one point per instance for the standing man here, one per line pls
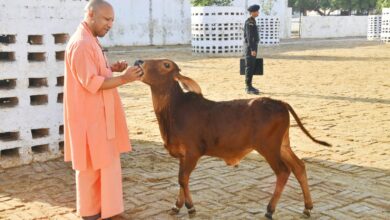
(251, 37)
(94, 121)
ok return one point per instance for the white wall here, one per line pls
(217, 30)
(385, 25)
(333, 26)
(147, 22)
(164, 22)
(150, 22)
(21, 19)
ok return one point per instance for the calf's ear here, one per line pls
(188, 83)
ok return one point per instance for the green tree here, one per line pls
(382, 4)
(357, 7)
(325, 7)
(211, 2)
(266, 6)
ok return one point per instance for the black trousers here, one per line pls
(250, 64)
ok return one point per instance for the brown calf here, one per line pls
(192, 126)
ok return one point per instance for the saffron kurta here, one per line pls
(92, 117)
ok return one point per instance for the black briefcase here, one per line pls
(258, 68)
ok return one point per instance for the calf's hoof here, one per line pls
(268, 215)
(307, 212)
(175, 210)
(192, 210)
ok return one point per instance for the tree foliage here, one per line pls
(325, 7)
(211, 2)
(383, 4)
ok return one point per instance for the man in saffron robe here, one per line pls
(94, 121)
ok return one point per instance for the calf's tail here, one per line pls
(291, 110)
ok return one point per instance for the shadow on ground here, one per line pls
(333, 97)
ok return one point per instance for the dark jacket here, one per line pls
(251, 34)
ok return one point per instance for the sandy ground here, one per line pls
(340, 89)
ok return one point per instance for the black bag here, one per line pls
(258, 67)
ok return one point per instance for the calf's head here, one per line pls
(164, 73)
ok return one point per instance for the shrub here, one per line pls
(211, 2)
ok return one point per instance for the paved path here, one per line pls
(340, 191)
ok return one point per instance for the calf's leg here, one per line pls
(298, 168)
(272, 155)
(187, 165)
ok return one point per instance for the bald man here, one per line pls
(94, 121)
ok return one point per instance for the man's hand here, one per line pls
(253, 53)
(132, 73)
(119, 66)
(128, 75)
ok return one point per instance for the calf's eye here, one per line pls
(166, 65)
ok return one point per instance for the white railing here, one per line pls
(385, 25)
(217, 30)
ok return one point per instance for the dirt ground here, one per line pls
(339, 88)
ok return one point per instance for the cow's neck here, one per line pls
(165, 99)
(165, 96)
